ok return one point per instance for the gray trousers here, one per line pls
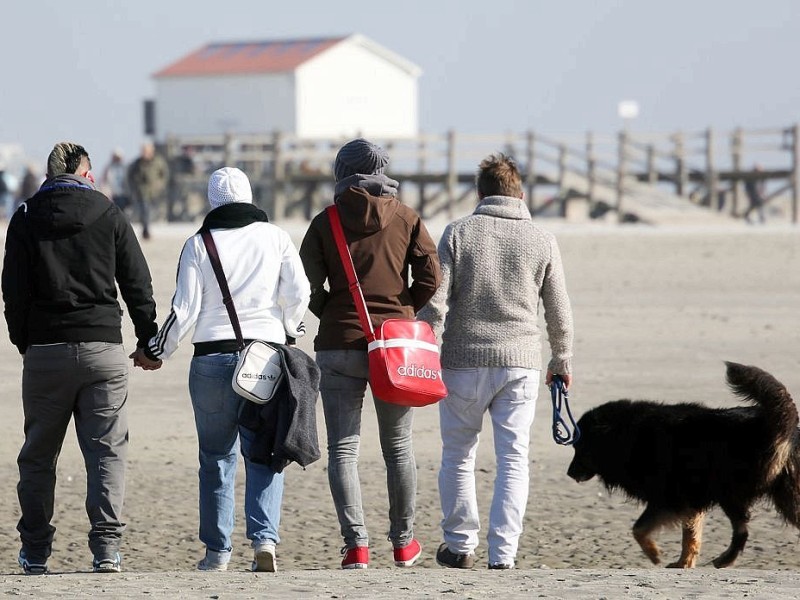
(342, 386)
(90, 381)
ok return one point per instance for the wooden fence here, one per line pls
(293, 176)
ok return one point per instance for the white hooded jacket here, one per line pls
(268, 285)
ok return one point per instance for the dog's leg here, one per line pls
(739, 517)
(647, 523)
(692, 528)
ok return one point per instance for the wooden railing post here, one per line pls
(711, 172)
(736, 163)
(795, 171)
(421, 149)
(622, 156)
(227, 150)
(680, 164)
(452, 172)
(562, 175)
(530, 171)
(652, 174)
(278, 178)
(590, 170)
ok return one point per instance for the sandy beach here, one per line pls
(656, 310)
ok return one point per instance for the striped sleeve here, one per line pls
(185, 306)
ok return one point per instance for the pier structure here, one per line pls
(662, 178)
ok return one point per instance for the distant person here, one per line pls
(148, 177)
(754, 188)
(181, 171)
(497, 267)
(8, 191)
(114, 180)
(31, 180)
(270, 293)
(388, 241)
(66, 255)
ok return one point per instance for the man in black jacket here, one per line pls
(67, 249)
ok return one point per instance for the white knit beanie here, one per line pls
(228, 185)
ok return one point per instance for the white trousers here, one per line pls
(509, 394)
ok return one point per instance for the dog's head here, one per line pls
(582, 468)
(599, 427)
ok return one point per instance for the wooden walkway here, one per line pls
(654, 178)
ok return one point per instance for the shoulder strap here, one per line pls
(350, 271)
(213, 256)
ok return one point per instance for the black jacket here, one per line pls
(286, 426)
(67, 249)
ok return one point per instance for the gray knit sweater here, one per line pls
(496, 265)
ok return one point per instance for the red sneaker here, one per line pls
(408, 554)
(355, 558)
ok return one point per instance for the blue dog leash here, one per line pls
(564, 433)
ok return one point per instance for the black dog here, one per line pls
(683, 459)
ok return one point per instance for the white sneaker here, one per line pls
(214, 561)
(264, 558)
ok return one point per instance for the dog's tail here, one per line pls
(785, 491)
(758, 386)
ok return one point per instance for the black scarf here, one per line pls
(233, 215)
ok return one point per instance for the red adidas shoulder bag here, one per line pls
(404, 366)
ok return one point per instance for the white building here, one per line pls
(313, 88)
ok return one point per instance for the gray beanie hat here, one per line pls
(359, 157)
(228, 185)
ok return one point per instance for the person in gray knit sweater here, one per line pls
(497, 264)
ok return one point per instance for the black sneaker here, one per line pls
(111, 564)
(445, 558)
(501, 566)
(31, 566)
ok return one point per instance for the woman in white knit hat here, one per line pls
(270, 292)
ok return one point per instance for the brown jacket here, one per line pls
(385, 238)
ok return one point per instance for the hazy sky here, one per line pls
(80, 70)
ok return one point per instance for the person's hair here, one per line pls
(66, 158)
(498, 175)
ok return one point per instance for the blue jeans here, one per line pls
(216, 413)
(342, 386)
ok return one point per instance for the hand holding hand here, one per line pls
(140, 360)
